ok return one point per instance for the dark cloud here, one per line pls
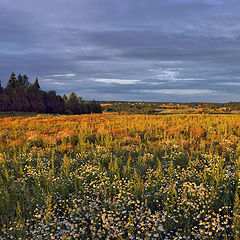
(169, 50)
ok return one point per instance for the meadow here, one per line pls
(109, 176)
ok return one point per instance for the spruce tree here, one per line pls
(72, 97)
(36, 84)
(1, 88)
(12, 80)
(65, 99)
(26, 82)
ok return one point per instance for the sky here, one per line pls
(133, 50)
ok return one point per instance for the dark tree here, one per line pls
(36, 84)
(21, 99)
(1, 88)
(36, 98)
(12, 80)
(65, 99)
(73, 104)
(20, 95)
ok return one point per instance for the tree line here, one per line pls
(130, 107)
(21, 96)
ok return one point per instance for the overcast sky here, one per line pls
(151, 50)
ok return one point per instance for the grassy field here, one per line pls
(120, 177)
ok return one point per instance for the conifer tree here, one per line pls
(20, 95)
(1, 88)
(12, 80)
(72, 97)
(22, 102)
(26, 81)
(65, 99)
(36, 85)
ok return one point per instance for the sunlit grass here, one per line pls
(120, 177)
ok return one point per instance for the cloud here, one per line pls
(117, 81)
(183, 50)
(180, 91)
(63, 75)
(59, 83)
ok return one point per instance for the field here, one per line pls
(120, 177)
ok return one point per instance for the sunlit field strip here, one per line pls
(120, 177)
